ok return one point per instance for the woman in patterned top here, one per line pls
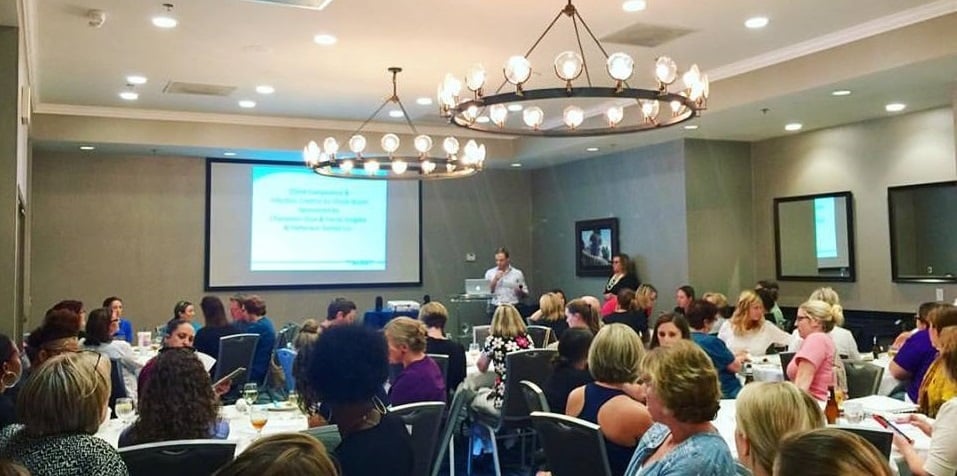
(61, 406)
(507, 334)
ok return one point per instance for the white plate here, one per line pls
(281, 407)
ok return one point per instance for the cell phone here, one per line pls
(887, 424)
(230, 376)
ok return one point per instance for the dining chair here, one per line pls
(188, 457)
(572, 446)
(423, 420)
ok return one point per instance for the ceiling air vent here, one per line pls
(180, 87)
(310, 4)
(649, 36)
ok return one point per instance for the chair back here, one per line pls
(534, 397)
(236, 351)
(286, 335)
(458, 411)
(882, 439)
(443, 362)
(786, 358)
(541, 335)
(286, 357)
(479, 333)
(117, 385)
(189, 457)
(423, 420)
(533, 365)
(328, 435)
(863, 378)
(572, 447)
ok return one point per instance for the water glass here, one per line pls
(250, 393)
(124, 410)
(853, 412)
(293, 398)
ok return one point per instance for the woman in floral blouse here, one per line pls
(507, 334)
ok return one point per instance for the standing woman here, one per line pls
(812, 368)
(217, 326)
(11, 372)
(125, 329)
(101, 325)
(186, 311)
(747, 331)
(623, 276)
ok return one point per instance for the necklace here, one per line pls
(613, 280)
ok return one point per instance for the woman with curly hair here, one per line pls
(179, 403)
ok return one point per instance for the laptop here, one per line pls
(477, 287)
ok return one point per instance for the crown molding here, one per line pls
(838, 38)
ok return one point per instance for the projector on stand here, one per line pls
(402, 306)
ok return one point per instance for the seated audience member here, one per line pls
(308, 333)
(57, 335)
(581, 314)
(844, 342)
(916, 354)
(434, 315)
(765, 413)
(549, 314)
(628, 313)
(125, 329)
(772, 288)
(746, 331)
(669, 328)
(683, 396)
(61, 407)
(236, 311)
(421, 378)
(724, 310)
(700, 315)
(829, 452)
(217, 326)
(179, 403)
(346, 368)
(506, 334)
(12, 370)
(100, 328)
(683, 297)
(9, 468)
(280, 455)
(646, 296)
(186, 311)
(341, 311)
(74, 306)
(812, 368)
(259, 324)
(179, 333)
(569, 369)
(920, 324)
(937, 388)
(613, 361)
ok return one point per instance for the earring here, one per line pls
(9, 379)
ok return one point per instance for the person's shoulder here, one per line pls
(9, 432)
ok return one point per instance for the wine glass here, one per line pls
(294, 398)
(250, 393)
(258, 417)
(124, 410)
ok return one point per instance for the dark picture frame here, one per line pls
(596, 241)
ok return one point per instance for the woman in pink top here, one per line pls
(812, 368)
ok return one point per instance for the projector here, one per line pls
(402, 306)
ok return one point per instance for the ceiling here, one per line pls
(77, 68)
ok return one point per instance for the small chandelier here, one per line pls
(505, 113)
(390, 165)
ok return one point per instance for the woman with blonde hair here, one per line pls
(843, 339)
(282, 454)
(646, 296)
(549, 314)
(766, 412)
(308, 333)
(829, 452)
(507, 334)
(434, 315)
(613, 361)
(61, 407)
(421, 378)
(724, 310)
(812, 368)
(747, 331)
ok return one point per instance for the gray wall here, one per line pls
(133, 226)
(864, 158)
(13, 155)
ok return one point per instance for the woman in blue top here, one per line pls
(701, 315)
(682, 393)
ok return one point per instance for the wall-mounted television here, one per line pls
(923, 227)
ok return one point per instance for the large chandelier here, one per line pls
(525, 111)
(389, 164)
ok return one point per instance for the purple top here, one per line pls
(915, 356)
(421, 381)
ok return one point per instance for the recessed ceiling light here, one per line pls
(482, 119)
(247, 104)
(515, 107)
(87, 147)
(691, 127)
(424, 101)
(841, 92)
(516, 164)
(395, 113)
(165, 21)
(756, 22)
(265, 89)
(129, 95)
(229, 154)
(794, 126)
(634, 5)
(895, 107)
(592, 149)
(136, 79)
(324, 39)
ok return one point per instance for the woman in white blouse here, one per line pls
(100, 327)
(747, 331)
(843, 339)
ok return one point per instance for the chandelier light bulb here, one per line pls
(399, 166)
(306, 156)
(450, 145)
(650, 108)
(450, 167)
(312, 149)
(666, 70)
(705, 86)
(475, 77)
(452, 85)
(357, 144)
(423, 143)
(692, 77)
(676, 107)
(517, 70)
(620, 66)
(474, 153)
(573, 116)
(568, 65)
(533, 117)
(498, 113)
(346, 166)
(371, 166)
(471, 113)
(614, 114)
(444, 97)
(390, 142)
(330, 146)
(427, 166)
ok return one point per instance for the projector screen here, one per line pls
(280, 225)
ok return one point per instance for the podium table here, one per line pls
(378, 319)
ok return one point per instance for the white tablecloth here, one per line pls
(768, 369)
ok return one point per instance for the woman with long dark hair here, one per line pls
(101, 325)
(217, 326)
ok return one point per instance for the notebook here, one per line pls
(882, 404)
(477, 287)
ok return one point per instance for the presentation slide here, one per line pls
(830, 232)
(281, 225)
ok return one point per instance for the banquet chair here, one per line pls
(863, 378)
(534, 397)
(479, 333)
(456, 415)
(236, 351)
(328, 435)
(881, 439)
(188, 457)
(442, 361)
(286, 357)
(287, 335)
(541, 335)
(572, 446)
(786, 358)
(117, 385)
(423, 420)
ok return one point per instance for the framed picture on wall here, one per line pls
(596, 241)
